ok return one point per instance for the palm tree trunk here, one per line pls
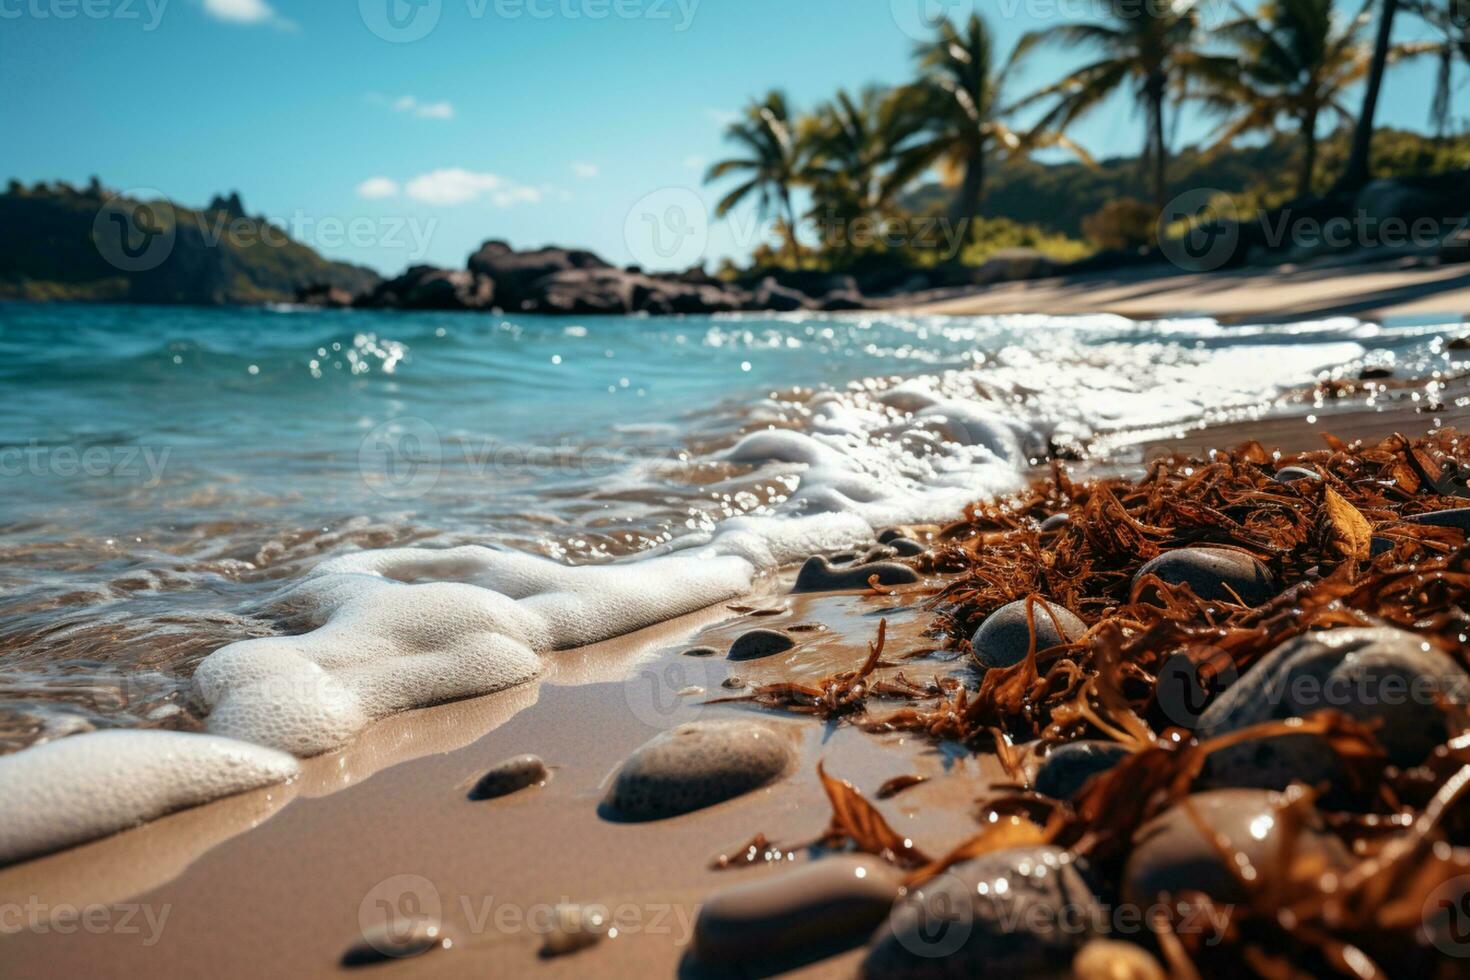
(966, 207)
(1309, 154)
(792, 245)
(1357, 172)
(1158, 149)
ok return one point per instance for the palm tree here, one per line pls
(1357, 171)
(953, 116)
(1450, 19)
(848, 146)
(1148, 48)
(769, 165)
(1296, 60)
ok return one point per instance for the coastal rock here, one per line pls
(1067, 768)
(818, 575)
(1212, 574)
(1003, 639)
(822, 903)
(840, 301)
(1009, 914)
(1382, 676)
(697, 765)
(1289, 474)
(394, 941)
(771, 295)
(511, 776)
(906, 547)
(515, 273)
(1171, 854)
(424, 287)
(760, 643)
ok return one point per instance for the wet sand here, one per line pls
(277, 881)
(1369, 291)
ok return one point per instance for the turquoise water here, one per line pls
(165, 468)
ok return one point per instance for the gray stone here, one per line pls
(906, 547)
(760, 643)
(1003, 639)
(1056, 522)
(838, 898)
(1068, 767)
(394, 941)
(1014, 913)
(1289, 474)
(1458, 518)
(511, 776)
(1208, 572)
(697, 765)
(1382, 676)
(1171, 854)
(818, 575)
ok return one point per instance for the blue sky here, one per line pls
(535, 121)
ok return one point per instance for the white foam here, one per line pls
(87, 786)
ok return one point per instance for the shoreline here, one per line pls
(277, 877)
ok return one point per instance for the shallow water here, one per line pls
(166, 469)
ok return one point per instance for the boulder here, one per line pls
(424, 287)
(1067, 768)
(771, 295)
(1003, 639)
(1213, 574)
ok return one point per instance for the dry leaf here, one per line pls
(1351, 533)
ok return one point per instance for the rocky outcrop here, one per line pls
(424, 287)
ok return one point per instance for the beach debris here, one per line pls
(1006, 636)
(733, 682)
(818, 575)
(1068, 767)
(573, 928)
(760, 643)
(1114, 959)
(1388, 678)
(395, 940)
(1289, 474)
(511, 776)
(807, 628)
(1213, 574)
(898, 784)
(1349, 531)
(1226, 844)
(905, 547)
(701, 652)
(1018, 912)
(857, 822)
(696, 765)
(813, 907)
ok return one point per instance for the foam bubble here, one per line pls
(76, 789)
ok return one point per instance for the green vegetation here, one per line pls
(882, 163)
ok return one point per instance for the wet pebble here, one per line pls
(1068, 767)
(511, 776)
(573, 928)
(733, 683)
(697, 765)
(838, 898)
(1172, 855)
(701, 652)
(1288, 474)
(1458, 518)
(1382, 676)
(1209, 571)
(906, 547)
(1056, 522)
(889, 534)
(394, 941)
(1009, 914)
(818, 575)
(1003, 639)
(760, 643)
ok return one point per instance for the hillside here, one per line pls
(85, 245)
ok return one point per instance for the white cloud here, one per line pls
(455, 185)
(411, 105)
(376, 188)
(245, 12)
(585, 171)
